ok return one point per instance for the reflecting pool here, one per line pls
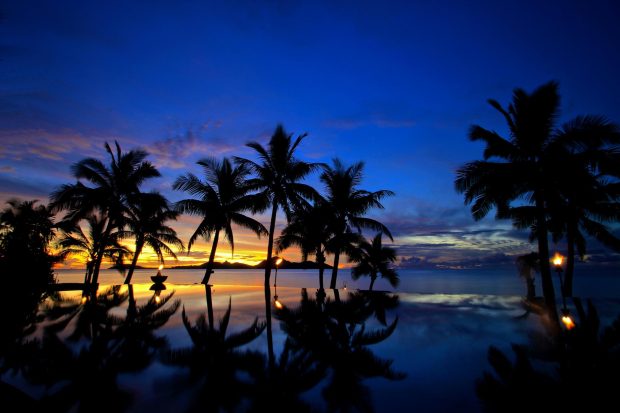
(189, 347)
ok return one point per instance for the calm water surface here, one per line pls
(144, 349)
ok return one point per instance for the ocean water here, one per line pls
(487, 282)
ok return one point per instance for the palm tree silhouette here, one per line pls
(348, 204)
(88, 245)
(114, 188)
(523, 170)
(334, 334)
(224, 196)
(310, 230)
(214, 361)
(278, 175)
(586, 197)
(373, 259)
(146, 221)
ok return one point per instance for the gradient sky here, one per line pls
(395, 84)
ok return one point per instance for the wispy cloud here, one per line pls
(379, 121)
(182, 148)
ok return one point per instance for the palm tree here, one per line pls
(310, 230)
(224, 196)
(25, 233)
(114, 188)
(374, 259)
(523, 170)
(588, 195)
(278, 175)
(91, 243)
(349, 204)
(147, 223)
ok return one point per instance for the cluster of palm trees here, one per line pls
(553, 180)
(114, 208)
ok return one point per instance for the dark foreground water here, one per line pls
(144, 348)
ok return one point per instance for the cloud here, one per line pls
(19, 145)
(7, 169)
(184, 148)
(378, 121)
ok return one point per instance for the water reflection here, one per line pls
(558, 370)
(78, 350)
(332, 333)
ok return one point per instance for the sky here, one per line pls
(393, 84)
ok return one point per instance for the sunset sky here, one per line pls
(395, 84)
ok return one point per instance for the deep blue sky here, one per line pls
(396, 84)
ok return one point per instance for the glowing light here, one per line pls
(157, 299)
(558, 259)
(84, 299)
(279, 261)
(568, 322)
(278, 304)
(161, 267)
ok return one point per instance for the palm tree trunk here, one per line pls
(209, 269)
(570, 260)
(131, 308)
(101, 250)
(373, 278)
(134, 261)
(272, 227)
(332, 284)
(320, 258)
(543, 251)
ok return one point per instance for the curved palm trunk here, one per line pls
(543, 250)
(209, 270)
(134, 261)
(268, 263)
(101, 251)
(570, 260)
(332, 283)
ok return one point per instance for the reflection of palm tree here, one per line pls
(147, 223)
(278, 388)
(585, 365)
(75, 241)
(310, 230)
(374, 259)
(214, 361)
(279, 174)
(113, 189)
(348, 204)
(334, 333)
(90, 315)
(134, 338)
(224, 196)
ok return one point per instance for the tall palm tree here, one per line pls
(224, 196)
(146, 221)
(310, 230)
(91, 243)
(522, 170)
(349, 204)
(373, 259)
(588, 195)
(279, 176)
(113, 189)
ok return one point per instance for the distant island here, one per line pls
(285, 265)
